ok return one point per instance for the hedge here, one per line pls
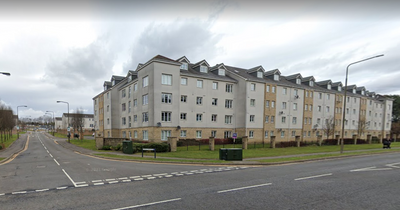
(160, 147)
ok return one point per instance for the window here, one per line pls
(310, 107)
(228, 103)
(145, 135)
(354, 111)
(276, 77)
(311, 83)
(145, 117)
(200, 83)
(251, 134)
(228, 119)
(307, 94)
(320, 95)
(183, 133)
(318, 121)
(108, 108)
(214, 118)
(183, 98)
(183, 116)
(296, 92)
(327, 109)
(266, 134)
(108, 95)
(184, 81)
(294, 120)
(123, 134)
(214, 101)
(166, 98)
(198, 134)
(293, 133)
(215, 86)
(123, 93)
(129, 107)
(252, 86)
(305, 107)
(252, 118)
(272, 133)
(267, 103)
(282, 133)
(227, 134)
(135, 118)
(266, 119)
(135, 102)
(283, 119)
(145, 81)
(203, 69)
(184, 66)
(319, 108)
(166, 116)
(273, 89)
(272, 119)
(259, 74)
(273, 104)
(294, 106)
(199, 117)
(134, 134)
(145, 99)
(252, 102)
(284, 91)
(165, 134)
(267, 88)
(166, 79)
(283, 105)
(123, 121)
(135, 87)
(328, 96)
(221, 72)
(298, 81)
(129, 92)
(123, 107)
(229, 88)
(213, 133)
(130, 121)
(199, 100)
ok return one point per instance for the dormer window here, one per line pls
(221, 72)
(105, 87)
(259, 74)
(203, 69)
(339, 88)
(354, 91)
(311, 83)
(362, 92)
(329, 86)
(113, 82)
(184, 66)
(298, 81)
(129, 78)
(276, 77)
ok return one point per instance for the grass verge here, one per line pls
(125, 157)
(9, 141)
(1, 159)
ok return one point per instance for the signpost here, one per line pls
(234, 136)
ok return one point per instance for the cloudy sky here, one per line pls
(65, 50)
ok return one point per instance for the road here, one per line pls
(47, 176)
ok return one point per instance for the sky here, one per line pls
(65, 50)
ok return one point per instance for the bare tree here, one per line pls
(329, 127)
(362, 127)
(395, 130)
(77, 122)
(7, 122)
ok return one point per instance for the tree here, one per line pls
(7, 122)
(362, 127)
(77, 122)
(396, 107)
(329, 127)
(395, 129)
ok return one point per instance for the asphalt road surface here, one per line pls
(47, 176)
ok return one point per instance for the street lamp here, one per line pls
(67, 119)
(54, 125)
(5, 73)
(345, 93)
(18, 119)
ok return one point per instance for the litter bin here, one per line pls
(127, 147)
(230, 154)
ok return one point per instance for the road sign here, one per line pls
(234, 135)
(68, 129)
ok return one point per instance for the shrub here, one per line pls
(1, 147)
(106, 147)
(160, 147)
(118, 147)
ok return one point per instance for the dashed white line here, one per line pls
(242, 188)
(152, 177)
(148, 204)
(82, 185)
(69, 177)
(56, 161)
(80, 182)
(310, 177)
(110, 180)
(113, 182)
(98, 183)
(97, 180)
(42, 190)
(123, 178)
(2, 194)
(134, 177)
(146, 175)
(160, 174)
(51, 155)
(126, 180)
(138, 179)
(61, 188)
(20, 192)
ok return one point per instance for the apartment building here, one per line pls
(165, 97)
(87, 119)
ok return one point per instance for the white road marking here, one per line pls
(80, 182)
(61, 188)
(148, 204)
(146, 175)
(113, 182)
(160, 174)
(42, 190)
(110, 180)
(138, 179)
(98, 183)
(152, 177)
(97, 180)
(69, 177)
(310, 177)
(126, 180)
(82, 185)
(373, 168)
(393, 165)
(56, 161)
(134, 177)
(123, 178)
(51, 155)
(2, 194)
(242, 188)
(20, 192)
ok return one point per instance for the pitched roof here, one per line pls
(293, 76)
(325, 82)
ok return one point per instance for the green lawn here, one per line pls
(85, 143)
(1, 159)
(9, 141)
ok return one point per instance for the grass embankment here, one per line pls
(8, 142)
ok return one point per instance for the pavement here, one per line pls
(19, 145)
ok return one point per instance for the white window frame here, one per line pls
(166, 79)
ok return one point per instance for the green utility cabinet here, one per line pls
(127, 147)
(230, 154)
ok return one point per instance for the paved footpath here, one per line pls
(14, 148)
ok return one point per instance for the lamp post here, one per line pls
(69, 134)
(5, 73)
(345, 94)
(54, 125)
(18, 119)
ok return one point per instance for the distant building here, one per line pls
(166, 97)
(62, 122)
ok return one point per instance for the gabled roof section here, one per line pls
(161, 59)
(325, 82)
(183, 59)
(272, 72)
(202, 62)
(139, 66)
(337, 84)
(351, 87)
(294, 76)
(307, 79)
(255, 69)
(218, 66)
